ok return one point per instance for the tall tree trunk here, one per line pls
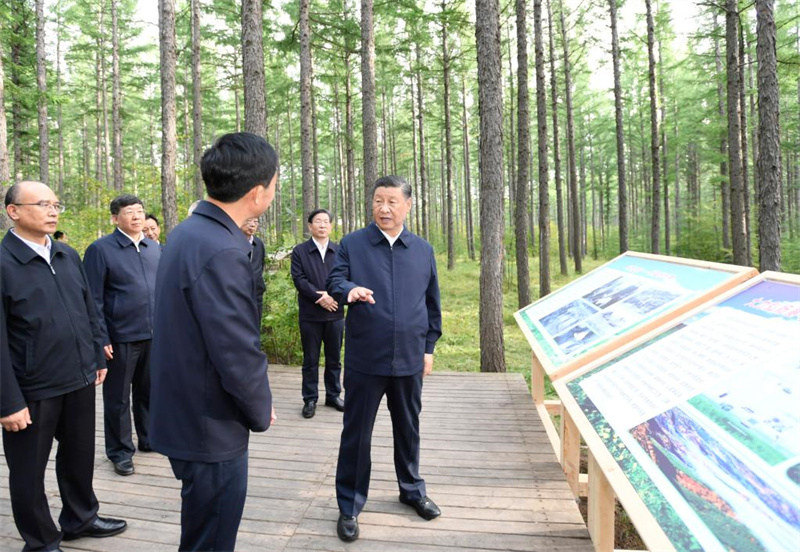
(449, 230)
(414, 166)
(306, 129)
(41, 84)
(523, 159)
(562, 247)
(295, 230)
(5, 168)
(734, 132)
(725, 187)
(655, 220)
(255, 102)
(384, 134)
(423, 172)
(768, 163)
(573, 173)
(490, 106)
(314, 148)
(467, 177)
(59, 117)
(622, 189)
(349, 147)
(664, 159)
(541, 124)
(116, 98)
(368, 122)
(166, 23)
(197, 101)
(745, 164)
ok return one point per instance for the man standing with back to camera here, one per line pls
(387, 276)
(209, 376)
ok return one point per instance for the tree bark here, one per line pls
(368, 122)
(562, 247)
(622, 189)
(166, 23)
(725, 188)
(523, 159)
(745, 164)
(423, 172)
(449, 230)
(655, 219)
(467, 177)
(306, 151)
(734, 132)
(573, 173)
(116, 98)
(349, 147)
(197, 102)
(490, 106)
(768, 163)
(255, 103)
(41, 85)
(5, 168)
(541, 123)
(59, 117)
(295, 230)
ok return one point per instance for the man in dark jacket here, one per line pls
(250, 227)
(387, 276)
(121, 269)
(53, 338)
(209, 376)
(321, 316)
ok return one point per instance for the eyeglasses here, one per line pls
(47, 205)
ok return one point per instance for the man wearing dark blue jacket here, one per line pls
(121, 269)
(387, 276)
(52, 361)
(208, 374)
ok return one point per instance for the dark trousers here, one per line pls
(128, 371)
(312, 334)
(70, 419)
(363, 397)
(212, 495)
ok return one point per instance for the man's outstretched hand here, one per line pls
(360, 294)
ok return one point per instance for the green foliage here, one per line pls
(280, 335)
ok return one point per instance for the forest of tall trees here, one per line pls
(668, 126)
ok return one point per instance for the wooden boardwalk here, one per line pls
(485, 457)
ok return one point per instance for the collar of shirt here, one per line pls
(250, 239)
(321, 247)
(391, 239)
(42, 250)
(135, 241)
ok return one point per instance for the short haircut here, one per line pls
(125, 200)
(152, 216)
(12, 195)
(235, 164)
(57, 234)
(393, 181)
(315, 212)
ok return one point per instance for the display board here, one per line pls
(624, 298)
(697, 425)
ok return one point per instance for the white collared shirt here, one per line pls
(390, 238)
(321, 247)
(42, 250)
(135, 241)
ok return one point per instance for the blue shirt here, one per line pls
(390, 337)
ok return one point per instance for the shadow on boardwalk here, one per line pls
(485, 457)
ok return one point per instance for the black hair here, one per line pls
(58, 234)
(125, 200)
(315, 212)
(393, 181)
(12, 195)
(235, 164)
(152, 216)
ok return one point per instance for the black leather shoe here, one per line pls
(335, 402)
(309, 409)
(124, 467)
(101, 527)
(347, 528)
(424, 506)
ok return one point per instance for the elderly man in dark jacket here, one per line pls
(209, 376)
(387, 276)
(55, 347)
(121, 268)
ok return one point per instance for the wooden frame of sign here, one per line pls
(636, 291)
(606, 478)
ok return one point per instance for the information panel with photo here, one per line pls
(704, 421)
(614, 299)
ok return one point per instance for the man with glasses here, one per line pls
(121, 268)
(55, 360)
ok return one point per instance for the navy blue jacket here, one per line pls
(123, 282)
(52, 328)
(390, 337)
(257, 262)
(310, 273)
(209, 383)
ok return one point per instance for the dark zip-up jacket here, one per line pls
(53, 330)
(123, 283)
(309, 273)
(390, 337)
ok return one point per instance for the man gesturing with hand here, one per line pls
(387, 276)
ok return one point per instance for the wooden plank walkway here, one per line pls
(485, 457)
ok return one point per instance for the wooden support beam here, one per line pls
(600, 508)
(537, 380)
(570, 451)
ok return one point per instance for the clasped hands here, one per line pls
(327, 302)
